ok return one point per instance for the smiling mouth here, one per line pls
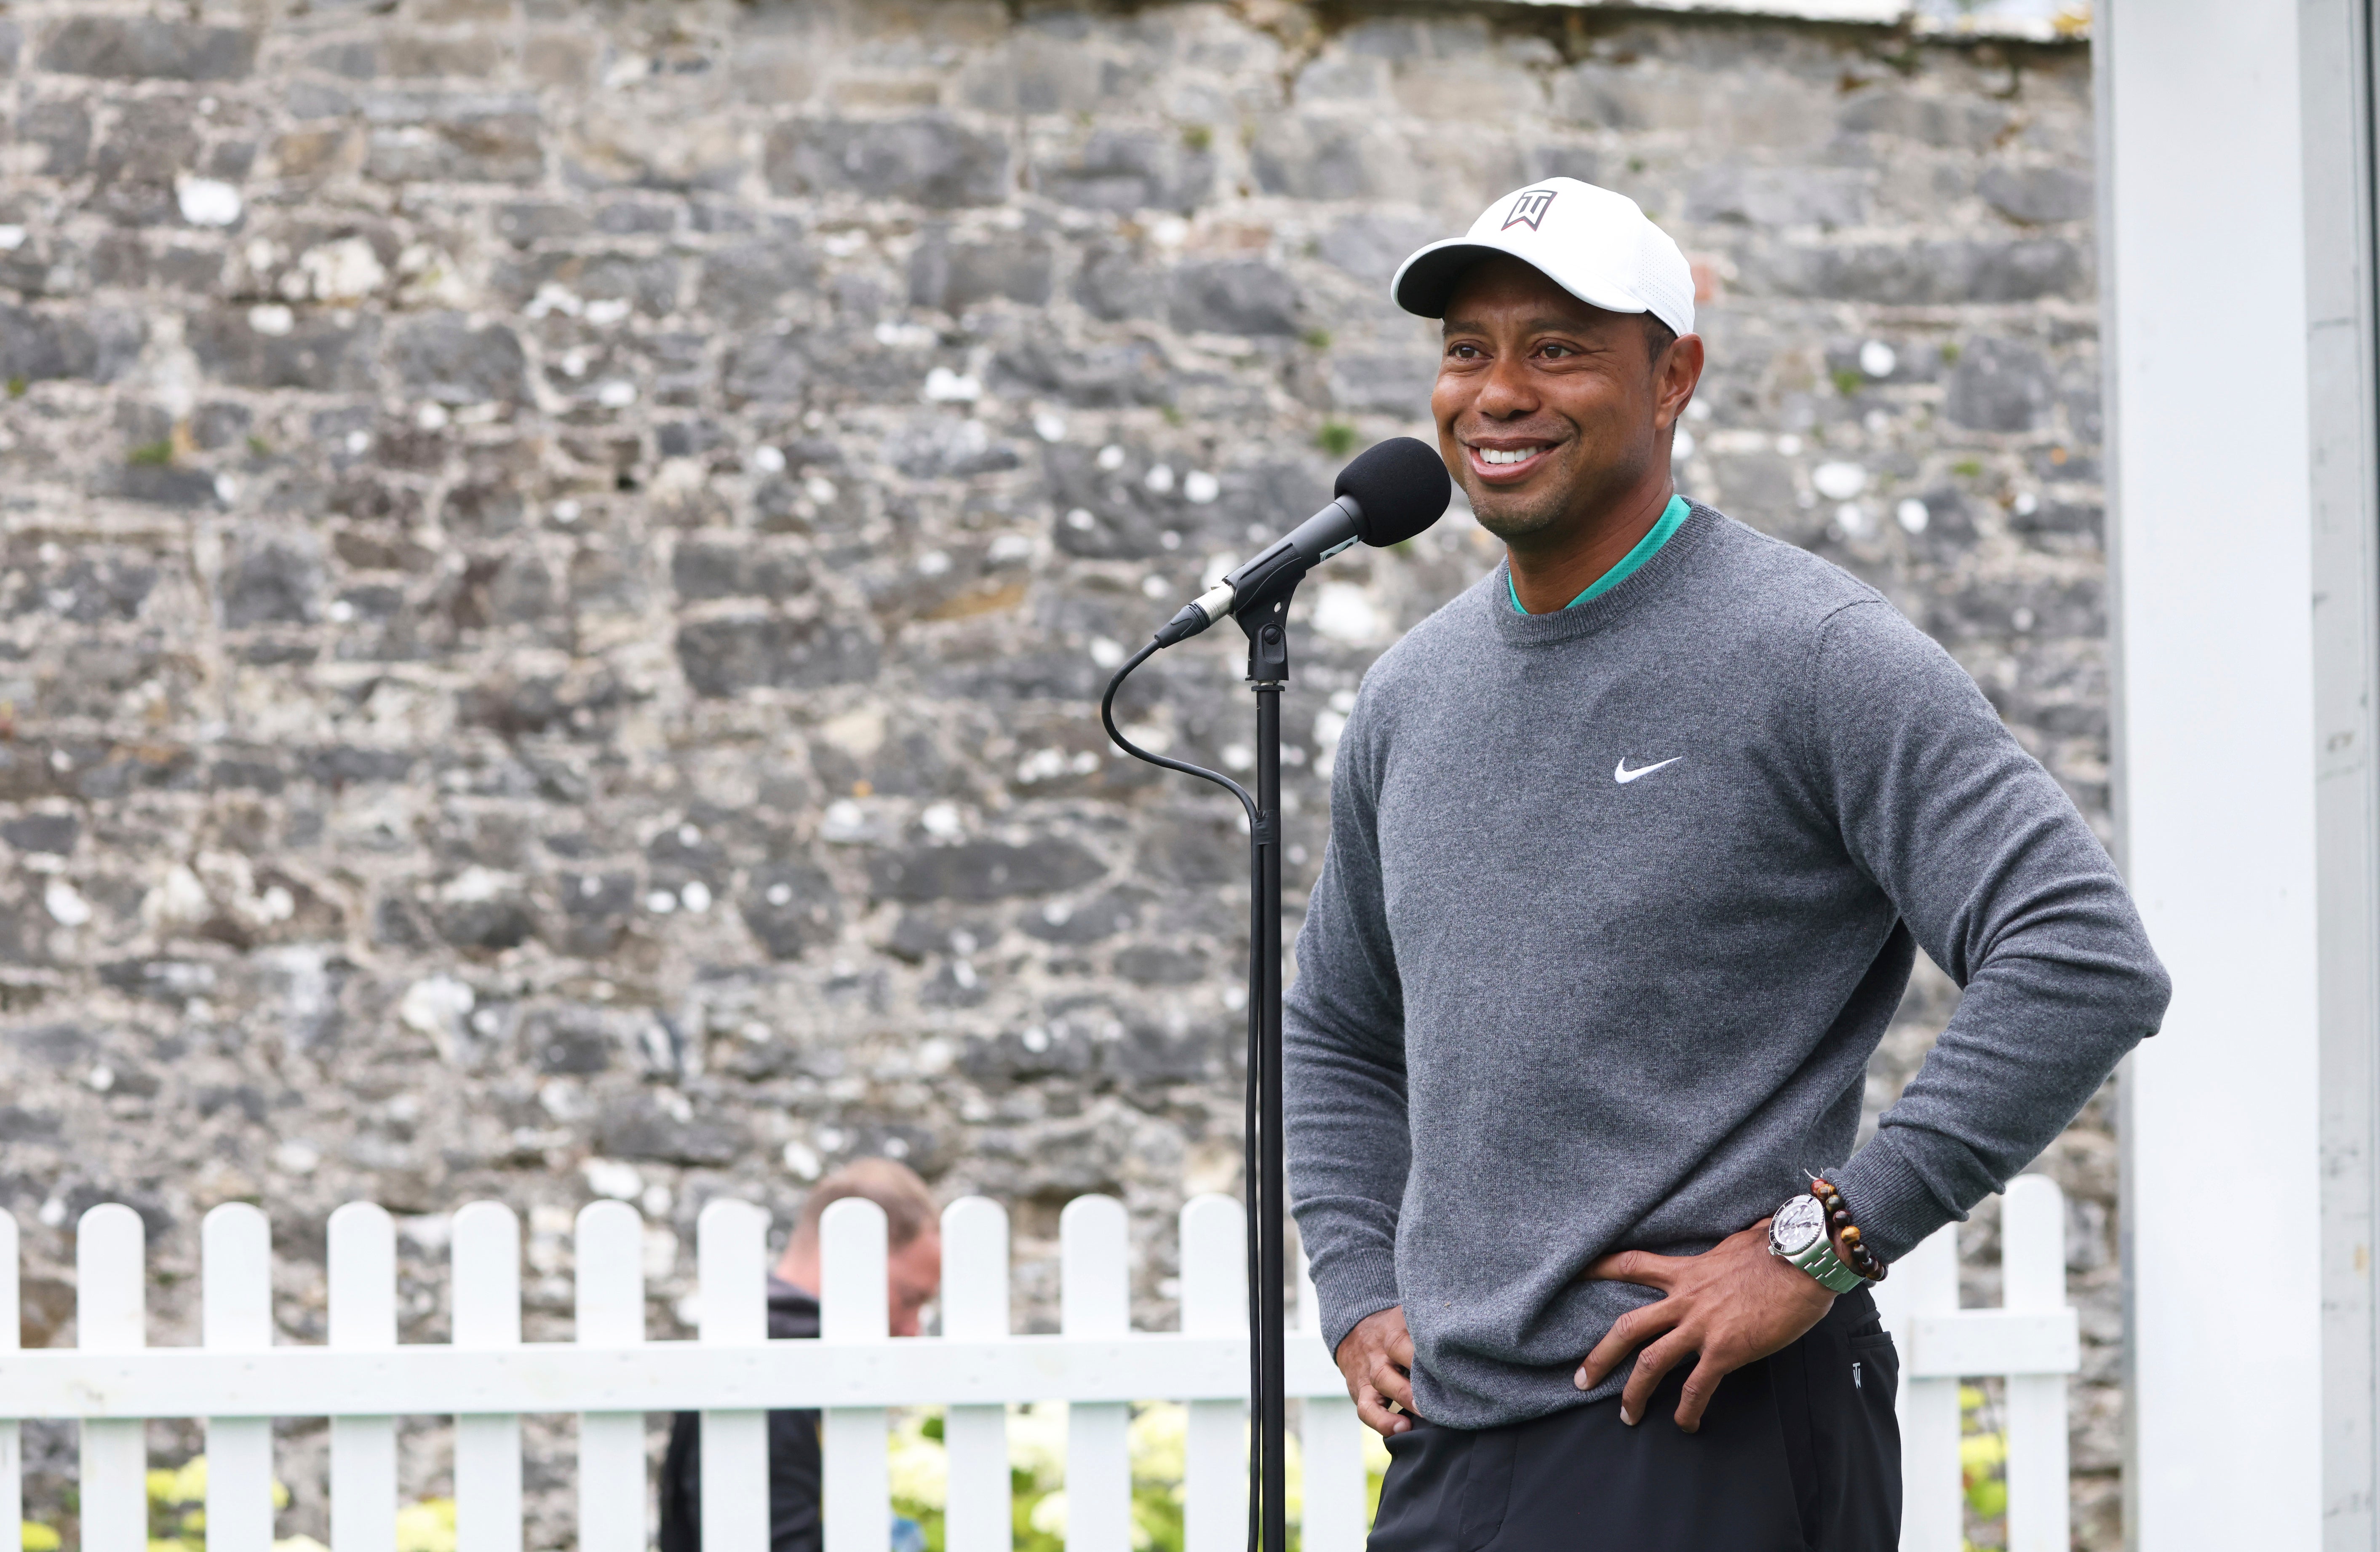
(1501, 466)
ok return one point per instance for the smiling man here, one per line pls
(1633, 844)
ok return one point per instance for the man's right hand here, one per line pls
(1377, 1359)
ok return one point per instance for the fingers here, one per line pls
(1373, 1409)
(1700, 1387)
(1394, 1383)
(1400, 1351)
(1651, 1364)
(1636, 1267)
(1628, 1333)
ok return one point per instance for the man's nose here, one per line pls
(1506, 391)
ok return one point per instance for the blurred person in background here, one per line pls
(912, 1275)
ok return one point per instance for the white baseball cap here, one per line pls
(1592, 243)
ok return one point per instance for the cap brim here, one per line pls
(1426, 282)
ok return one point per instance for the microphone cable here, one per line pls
(1251, 1174)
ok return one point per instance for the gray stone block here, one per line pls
(1113, 284)
(639, 1128)
(1779, 196)
(1233, 296)
(1926, 273)
(954, 275)
(570, 1039)
(1999, 384)
(727, 657)
(791, 907)
(59, 129)
(274, 578)
(1125, 171)
(1101, 377)
(928, 160)
(443, 358)
(770, 368)
(1370, 245)
(747, 284)
(1956, 123)
(1387, 383)
(37, 347)
(1323, 159)
(322, 351)
(709, 569)
(979, 870)
(2036, 196)
(52, 833)
(139, 48)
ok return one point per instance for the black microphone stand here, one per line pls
(1263, 619)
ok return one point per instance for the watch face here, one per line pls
(1798, 1225)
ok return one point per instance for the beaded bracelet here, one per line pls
(1864, 1261)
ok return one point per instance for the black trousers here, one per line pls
(1799, 1452)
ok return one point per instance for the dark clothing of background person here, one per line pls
(794, 1458)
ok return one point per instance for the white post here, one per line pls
(111, 1315)
(2242, 609)
(853, 1307)
(1095, 1297)
(611, 1298)
(1333, 1441)
(2033, 1279)
(1215, 1303)
(976, 1516)
(363, 1314)
(1926, 1282)
(487, 1315)
(236, 1314)
(12, 1458)
(731, 1253)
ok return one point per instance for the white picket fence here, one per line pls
(237, 1379)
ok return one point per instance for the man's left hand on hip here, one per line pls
(1734, 1304)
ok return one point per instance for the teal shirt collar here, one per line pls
(1646, 548)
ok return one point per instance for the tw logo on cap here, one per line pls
(1529, 208)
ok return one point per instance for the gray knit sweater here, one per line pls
(1619, 901)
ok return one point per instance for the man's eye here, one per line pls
(1555, 350)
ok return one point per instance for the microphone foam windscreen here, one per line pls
(1402, 487)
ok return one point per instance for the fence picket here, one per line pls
(1332, 1438)
(1215, 1303)
(12, 1453)
(2032, 1269)
(731, 1255)
(853, 1308)
(363, 1314)
(611, 1312)
(487, 1315)
(236, 1314)
(111, 1315)
(975, 1309)
(1926, 1282)
(1095, 1300)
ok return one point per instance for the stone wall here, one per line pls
(558, 557)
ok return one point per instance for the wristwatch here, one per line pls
(1798, 1235)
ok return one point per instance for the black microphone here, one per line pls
(1393, 490)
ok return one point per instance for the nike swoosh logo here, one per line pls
(1623, 776)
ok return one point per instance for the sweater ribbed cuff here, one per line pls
(1354, 1287)
(1884, 1186)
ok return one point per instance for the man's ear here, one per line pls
(1680, 373)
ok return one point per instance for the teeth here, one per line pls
(1499, 454)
